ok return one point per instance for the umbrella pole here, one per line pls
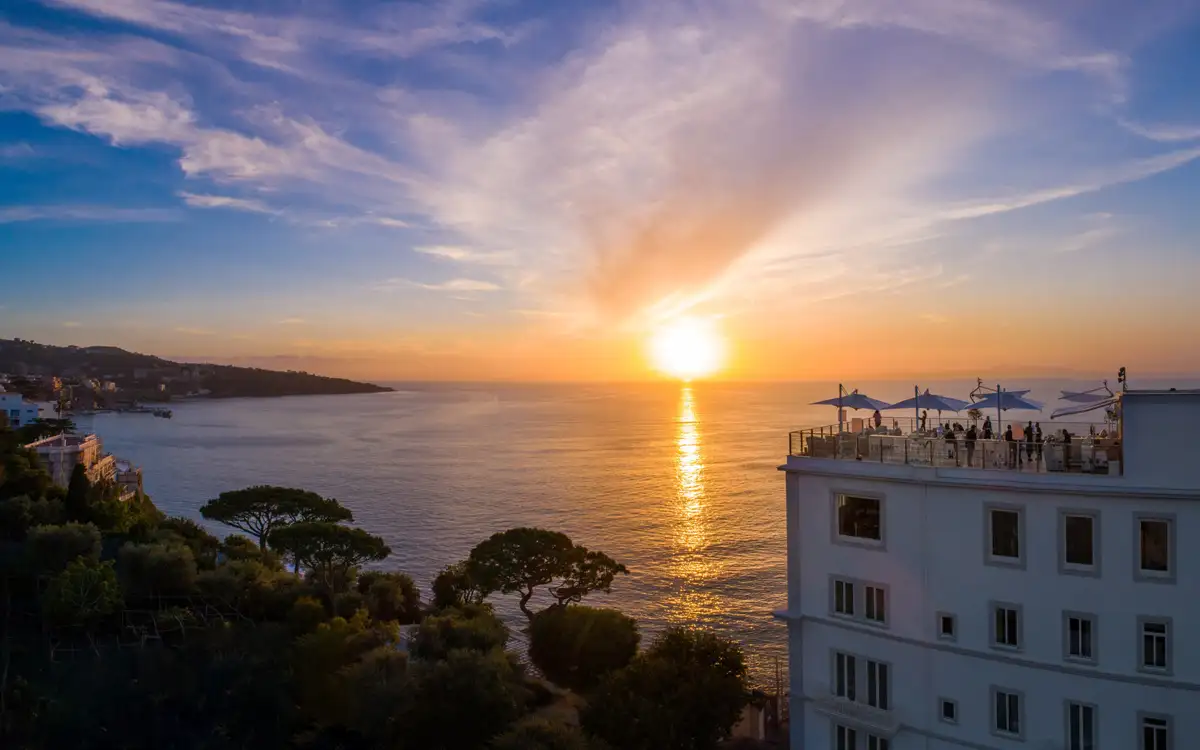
(840, 389)
(999, 398)
(916, 405)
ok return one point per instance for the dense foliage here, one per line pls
(576, 647)
(122, 628)
(683, 693)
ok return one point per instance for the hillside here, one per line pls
(144, 377)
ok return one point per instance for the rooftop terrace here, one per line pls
(1092, 448)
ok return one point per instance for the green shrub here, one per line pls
(577, 646)
(471, 628)
(390, 596)
(153, 570)
(51, 548)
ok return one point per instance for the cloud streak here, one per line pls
(224, 201)
(452, 285)
(113, 214)
(1163, 133)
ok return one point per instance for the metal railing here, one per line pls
(1090, 449)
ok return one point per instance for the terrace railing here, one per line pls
(1091, 449)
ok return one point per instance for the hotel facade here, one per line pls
(939, 604)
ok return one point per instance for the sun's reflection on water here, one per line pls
(691, 562)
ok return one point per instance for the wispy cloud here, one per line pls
(225, 201)
(464, 255)
(1086, 239)
(16, 151)
(190, 331)
(12, 214)
(1131, 171)
(1163, 133)
(453, 285)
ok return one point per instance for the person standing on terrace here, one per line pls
(1029, 442)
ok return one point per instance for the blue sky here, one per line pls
(511, 188)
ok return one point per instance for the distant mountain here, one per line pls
(145, 376)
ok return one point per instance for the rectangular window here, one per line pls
(878, 693)
(860, 518)
(1006, 625)
(877, 743)
(843, 598)
(1079, 541)
(1081, 726)
(876, 604)
(845, 738)
(947, 627)
(1155, 542)
(1080, 636)
(1156, 733)
(844, 668)
(1006, 712)
(1004, 532)
(1156, 644)
(948, 711)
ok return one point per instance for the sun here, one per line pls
(687, 348)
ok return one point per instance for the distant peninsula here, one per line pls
(107, 377)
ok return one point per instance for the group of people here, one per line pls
(1032, 439)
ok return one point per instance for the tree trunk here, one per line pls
(525, 597)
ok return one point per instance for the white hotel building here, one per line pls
(941, 607)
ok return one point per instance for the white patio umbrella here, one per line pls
(1092, 396)
(851, 400)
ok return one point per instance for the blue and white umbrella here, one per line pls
(1005, 400)
(928, 401)
(851, 400)
(1002, 400)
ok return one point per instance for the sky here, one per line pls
(529, 189)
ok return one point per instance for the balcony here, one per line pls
(877, 721)
(1090, 449)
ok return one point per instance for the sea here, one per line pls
(679, 482)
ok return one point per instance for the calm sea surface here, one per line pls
(677, 482)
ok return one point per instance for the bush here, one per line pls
(51, 548)
(19, 514)
(577, 646)
(251, 588)
(149, 570)
(454, 587)
(307, 613)
(347, 605)
(204, 546)
(238, 547)
(539, 734)
(84, 593)
(472, 628)
(390, 596)
(685, 693)
(463, 701)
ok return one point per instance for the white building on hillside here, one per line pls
(16, 409)
(940, 606)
